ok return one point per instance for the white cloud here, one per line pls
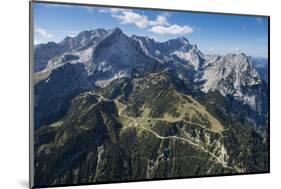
(130, 17)
(141, 21)
(172, 29)
(103, 10)
(59, 5)
(36, 42)
(259, 20)
(110, 10)
(160, 20)
(42, 32)
(116, 10)
(90, 9)
(159, 26)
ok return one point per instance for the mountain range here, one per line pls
(109, 107)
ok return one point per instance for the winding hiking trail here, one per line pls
(136, 124)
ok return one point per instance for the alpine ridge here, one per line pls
(113, 107)
(110, 54)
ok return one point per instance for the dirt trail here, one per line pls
(136, 124)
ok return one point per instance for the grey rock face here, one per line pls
(110, 54)
(233, 75)
(53, 94)
(44, 52)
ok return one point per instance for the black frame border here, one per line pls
(31, 111)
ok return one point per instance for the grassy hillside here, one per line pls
(143, 128)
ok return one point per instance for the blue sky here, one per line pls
(213, 33)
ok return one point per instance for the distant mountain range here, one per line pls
(115, 107)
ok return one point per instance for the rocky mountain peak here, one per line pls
(145, 39)
(115, 31)
(183, 40)
(233, 75)
(113, 52)
(83, 39)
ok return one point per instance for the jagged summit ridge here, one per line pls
(111, 54)
(176, 50)
(83, 39)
